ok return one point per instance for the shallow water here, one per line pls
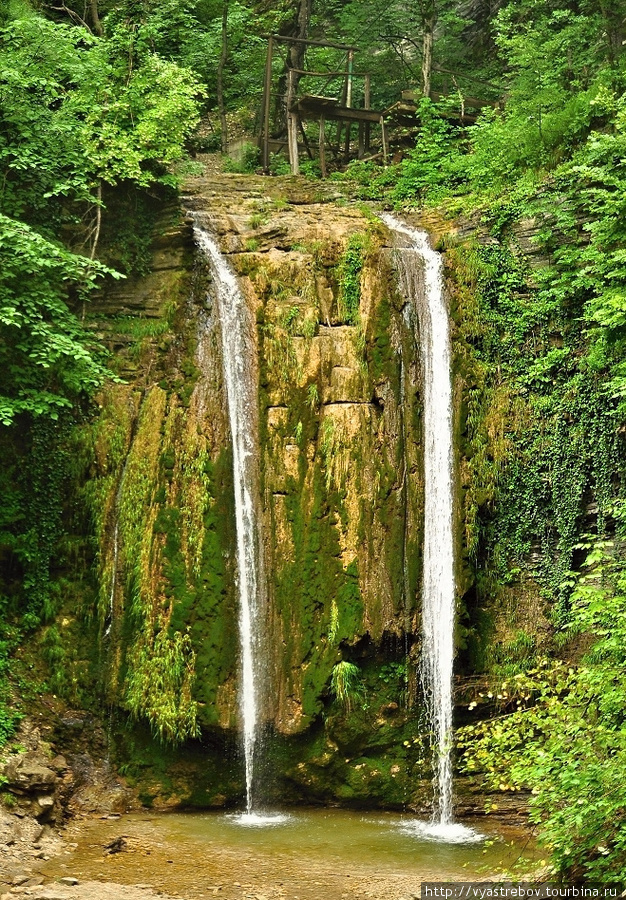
(303, 854)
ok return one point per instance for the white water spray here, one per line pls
(420, 272)
(116, 553)
(237, 328)
(116, 548)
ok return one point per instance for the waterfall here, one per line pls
(237, 328)
(116, 553)
(116, 548)
(420, 271)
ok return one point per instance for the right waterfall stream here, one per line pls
(419, 269)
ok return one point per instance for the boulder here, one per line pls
(27, 774)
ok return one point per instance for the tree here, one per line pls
(48, 359)
(428, 16)
(220, 79)
(76, 111)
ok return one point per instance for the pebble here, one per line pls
(69, 880)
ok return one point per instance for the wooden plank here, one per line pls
(277, 145)
(331, 74)
(316, 99)
(367, 103)
(292, 124)
(346, 146)
(384, 137)
(267, 87)
(337, 113)
(305, 139)
(475, 102)
(323, 145)
(350, 76)
(284, 39)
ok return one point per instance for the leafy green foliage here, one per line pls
(540, 347)
(9, 715)
(159, 687)
(50, 360)
(434, 167)
(563, 731)
(77, 110)
(349, 275)
(346, 684)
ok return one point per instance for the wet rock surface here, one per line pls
(340, 422)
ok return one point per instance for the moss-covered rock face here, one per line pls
(341, 494)
(339, 422)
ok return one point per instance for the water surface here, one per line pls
(304, 854)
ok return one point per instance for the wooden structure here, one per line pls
(342, 109)
(405, 110)
(302, 107)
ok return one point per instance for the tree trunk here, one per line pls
(95, 18)
(615, 27)
(428, 14)
(295, 56)
(300, 30)
(220, 79)
(427, 60)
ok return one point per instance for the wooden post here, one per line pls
(384, 135)
(349, 83)
(292, 125)
(344, 102)
(267, 90)
(323, 145)
(367, 104)
(346, 148)
(305, 139)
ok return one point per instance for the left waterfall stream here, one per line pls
(237, 341)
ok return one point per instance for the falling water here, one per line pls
(236, 330)
(116, 553)
(116, 550)
(420, 274)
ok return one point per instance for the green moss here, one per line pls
(349, 278)
(200, 775)
(209, 610)
(384, 364)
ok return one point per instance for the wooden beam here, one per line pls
(267, 87)
(284, 39)
(350, 76)
(292, 124)
(323, 145)
(367, 103)
(337, 113)
(305, 139)
(384, 136)
(330, 74)
(346, 146)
